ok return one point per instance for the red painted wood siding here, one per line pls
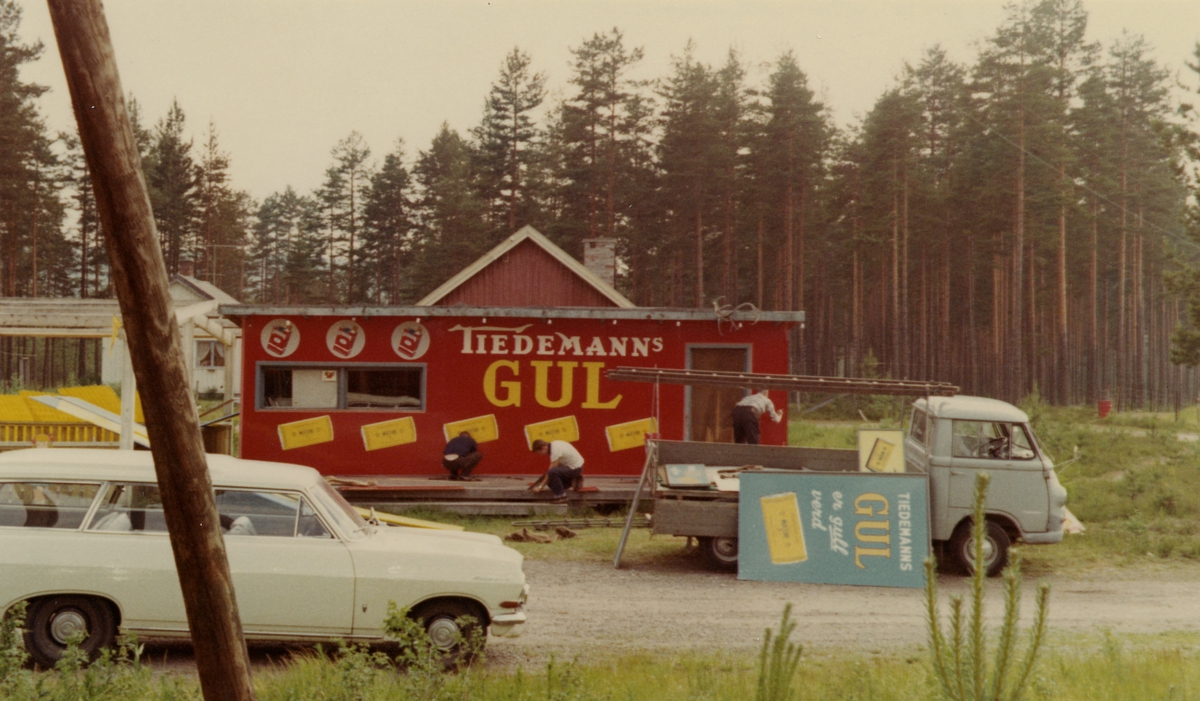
(526, 276)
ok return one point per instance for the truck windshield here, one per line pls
(991, 440)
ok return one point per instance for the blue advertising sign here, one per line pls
(833, 528)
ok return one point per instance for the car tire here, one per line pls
(440, 619)
(50, 622)
(995, 548)
(720, 552)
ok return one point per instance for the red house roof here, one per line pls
(526, 270)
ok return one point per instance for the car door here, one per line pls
(138, 567)
(1005, 451)
(290, 573)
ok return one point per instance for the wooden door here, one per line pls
(709, 408)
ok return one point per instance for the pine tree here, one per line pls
(343, 197)
(454, 229)
(171, 178)
(388, 230)
(223, 220)
(505, 140)
(600, 131)
(30, 214)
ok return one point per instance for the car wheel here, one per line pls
(52, 621)
(446, 625)
(995, 548)
(720, 552)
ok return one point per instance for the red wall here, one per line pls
(526, 276)
(455, 386)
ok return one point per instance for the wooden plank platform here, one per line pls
(491, 495)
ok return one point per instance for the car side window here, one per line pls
(45, 504)
(916, 429)
(310, 525)
(261, 513)
(134, 507)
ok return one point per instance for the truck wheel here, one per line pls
(721, 553)
(995, 548)
(51, 621)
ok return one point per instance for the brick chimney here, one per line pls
(600, 257)
(187, 268)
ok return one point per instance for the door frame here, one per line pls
(687, 389)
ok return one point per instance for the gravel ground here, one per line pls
(578, 608)
(585, 610)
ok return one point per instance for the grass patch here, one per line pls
(1090, 668)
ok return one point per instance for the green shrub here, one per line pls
(960, 660)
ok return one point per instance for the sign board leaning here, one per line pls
(880, 450)
(844, 528)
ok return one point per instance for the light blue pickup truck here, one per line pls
(950, 439)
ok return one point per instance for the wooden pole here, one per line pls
(140, 278)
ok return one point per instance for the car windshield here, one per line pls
(338, 509)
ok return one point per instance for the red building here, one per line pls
(377, 390)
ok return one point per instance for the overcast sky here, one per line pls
(285, 80)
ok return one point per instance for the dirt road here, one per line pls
(587, 609)
(583, 608)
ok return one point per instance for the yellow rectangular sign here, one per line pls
(564, 429)
(481, 428)
(388, 434)
(785, 536)
(631, 434)
(299, 434)
(880, 450)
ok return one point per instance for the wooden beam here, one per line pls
(140, 278)
(793, 383)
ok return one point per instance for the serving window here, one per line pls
(390, 387)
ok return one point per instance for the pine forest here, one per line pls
(1023, 223)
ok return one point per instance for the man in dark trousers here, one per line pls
(566, 468)
(747, 413)
(460, 456)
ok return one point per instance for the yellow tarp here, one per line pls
(104, 397)
(15, 409)
(44, 414)
(22, 409)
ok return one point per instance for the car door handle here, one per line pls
(957, 472)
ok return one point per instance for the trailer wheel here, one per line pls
(995, 548)
(720, 552)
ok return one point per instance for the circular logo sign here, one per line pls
(345, 339)
(280, 337)
(410, 340)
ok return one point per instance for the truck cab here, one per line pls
(952, 439)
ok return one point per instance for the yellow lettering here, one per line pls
(862, 505)
(512, 394)
(859, 552)
(593, 389)
(883, 536)
(541, 382)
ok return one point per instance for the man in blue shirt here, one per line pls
(460, 456)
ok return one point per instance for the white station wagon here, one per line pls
(83, 540)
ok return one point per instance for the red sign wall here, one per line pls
(313, 387)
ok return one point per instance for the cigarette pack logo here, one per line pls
(345, 339)
(410, 340)
(280, 338)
